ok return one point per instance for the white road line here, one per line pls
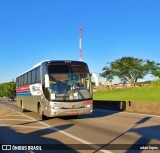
(17, 115)
(70, 135)
(142, 114)
(9, 114)
(7, 119)
(24, 126)
(13, 115)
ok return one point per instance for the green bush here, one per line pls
(155, 83)
(7, 89)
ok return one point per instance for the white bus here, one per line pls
(56, 88)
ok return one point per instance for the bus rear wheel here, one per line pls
(22, 107)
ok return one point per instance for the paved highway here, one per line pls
(102, 131)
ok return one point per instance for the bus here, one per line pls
(56, 88)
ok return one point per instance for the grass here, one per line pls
(149, 93)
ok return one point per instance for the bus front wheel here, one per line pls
(40, 112)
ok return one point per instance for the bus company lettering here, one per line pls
(36, 89)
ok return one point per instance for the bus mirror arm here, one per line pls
(46, 81)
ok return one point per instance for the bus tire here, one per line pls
(74, 117)
(40, 112)
(22, 107)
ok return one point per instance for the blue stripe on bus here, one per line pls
(24, 93)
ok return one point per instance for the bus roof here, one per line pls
(59, 61)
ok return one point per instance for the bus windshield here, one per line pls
(69, 82)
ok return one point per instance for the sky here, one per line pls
(35, 30)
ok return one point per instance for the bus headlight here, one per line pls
(87, 106)
(57, 107)
(54, 106)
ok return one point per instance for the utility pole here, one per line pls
(80, 43)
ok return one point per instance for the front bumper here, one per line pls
(67, 112)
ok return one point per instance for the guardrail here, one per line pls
(139, 107)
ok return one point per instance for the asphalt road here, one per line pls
(102, 131)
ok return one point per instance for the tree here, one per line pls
(155, 70)
(7, 89)
(128, 69)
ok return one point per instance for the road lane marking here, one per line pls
(24, 126)
(142, 114)
(7, 119)
(10, 114)
(72, 136)
(66, 133)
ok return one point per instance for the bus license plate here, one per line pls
(74, 112)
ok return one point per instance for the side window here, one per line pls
(33, 76)
(29, 77)
(17, 82)
(25, 79)
(38, 74)
(22, 80)
(43, 73)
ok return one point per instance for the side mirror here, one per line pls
(46, 81)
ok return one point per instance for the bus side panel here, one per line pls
(25, 101)
(29, 95)
(22, 93)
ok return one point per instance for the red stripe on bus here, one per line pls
(23, 88)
